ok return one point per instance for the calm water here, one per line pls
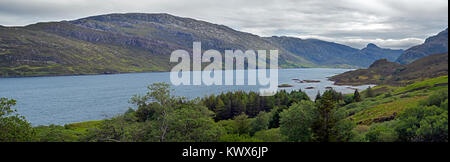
(68, 99)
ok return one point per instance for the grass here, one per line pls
(429, 83)
(69, 133)
(391, 101)
(386, 110)
(83, 126)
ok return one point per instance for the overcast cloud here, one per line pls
(387, 23)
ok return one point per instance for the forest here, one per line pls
(379, 114)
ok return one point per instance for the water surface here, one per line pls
(67, 99)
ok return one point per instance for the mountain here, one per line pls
(433, 45)
(373, 52)
(328, 53)
(135, 42)
(392, 73)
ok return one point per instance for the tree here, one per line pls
(318, 96)
(117, 129)
(275, 121)
(161, 117)
(193, 124)
(356, 96)
(344, 130)
(297, 96)
(323, 127)
(297, 121)
(143, 113)
(159, 93)
(242, 124)
(348, 99)
(261, 122)
(369, 92)
(221, 110)
(13, 127)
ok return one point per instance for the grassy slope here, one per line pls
(68, 56)
(391, 101)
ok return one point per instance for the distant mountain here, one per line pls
(392, 73)
(328, 53)
(373, 52)
(433, 45)
(317, 51)
(118, 43)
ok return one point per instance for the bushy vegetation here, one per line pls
(421, 116)
(379, 114)
(13, 127)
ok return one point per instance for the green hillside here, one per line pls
(25, 52)
(388, 102)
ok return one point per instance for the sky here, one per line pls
(397, 24)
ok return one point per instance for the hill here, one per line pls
(26, 51)
(433, 45)
(135, 42)
(391, 73)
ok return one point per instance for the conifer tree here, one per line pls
(318, 96)
(323, 128)
(356, 97)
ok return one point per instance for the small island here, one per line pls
(312, 81)
(284, 86)
(306, 81)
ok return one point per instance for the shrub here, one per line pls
(13, 127)
(383, 132)
(297, 121)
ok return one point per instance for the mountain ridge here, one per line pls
(136, 42)
(433, 45)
